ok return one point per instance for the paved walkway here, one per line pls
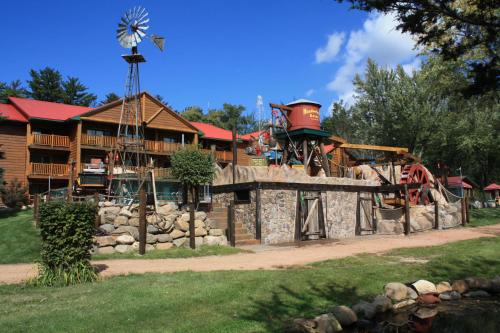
(269, 257)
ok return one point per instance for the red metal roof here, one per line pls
(213, 132)
(492, 187)
(47, 110)
(253, 135)
(459, 181)
(11, 113)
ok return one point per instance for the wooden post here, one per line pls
(407, 211)
(36, 209)
(298, 219)
(467, 210)
(192, 240)
(436, 214)
(142, 221)
(462, 204)
(230, 224)
(326, 163)
(258, 231)
(321, 217)
(357, 231)
(304, 152)
(70, 181)
(97, 220)
(374, 216)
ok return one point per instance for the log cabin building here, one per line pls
(47, 145)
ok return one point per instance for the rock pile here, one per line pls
(168, 227)
(397, 296)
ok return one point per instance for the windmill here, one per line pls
(129, 165)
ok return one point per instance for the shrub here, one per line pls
(14, 195)
(66, 230)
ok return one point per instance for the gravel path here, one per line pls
(269, 257)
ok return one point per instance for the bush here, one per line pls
(66, 230)
(14, 195)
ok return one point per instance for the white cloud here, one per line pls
(378, 40)
(310, 92)
(331, 49)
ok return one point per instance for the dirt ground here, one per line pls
(268, 257)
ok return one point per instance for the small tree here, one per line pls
(193, 168)
(14, 195)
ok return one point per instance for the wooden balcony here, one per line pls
(227, 156)
(44, 170)
(151, 146)
(50, 141)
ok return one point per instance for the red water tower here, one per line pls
(303, 114)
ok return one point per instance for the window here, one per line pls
(98, 132)
(242, 196)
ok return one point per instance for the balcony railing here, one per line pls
(50, 140)
(227, 156)
(149, 145)
(98, 141)
(49, 169)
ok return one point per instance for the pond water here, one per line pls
(463, 316)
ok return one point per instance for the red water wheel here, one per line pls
(416, 173)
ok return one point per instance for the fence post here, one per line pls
(36, 209)
(192, 240)
(142, 221)
(467, 210)
(436, 214)
(258, 232)
(462, 206)
(230, 223)
(374, 214)
(407, 211)
(97, 221)
(357, 230)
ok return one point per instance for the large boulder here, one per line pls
(475, 283)
(215, 240)
(424, 287)
(460, 286)
(151, 239)
(198, 232)
(152, 229)
(199, 224)
(365, 309)
(344, 315)
(327, 323)
(164, 246)
(148, 247)
(123, 248)
(495, 285)
(450, 296)
(396, 291)
(200, 216)
(180, 242)
(125, 212)
(443, 287)
(108, 218)
(403, 304)
(133, 221)
(382, 303)
(103, 241)
(181, 225)
(412, 294)
(153, 219)
(216, 232)
(121, 220)
(125, 239)
(184, 217)
(176, 234)
(164, 238)
(477, 294)
(127, 229)
(107, 228)
(106, 250)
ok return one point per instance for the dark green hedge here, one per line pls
(66, 230)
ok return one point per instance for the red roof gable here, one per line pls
(11, 113)
(47, 110)
(459, 181)
(492, 187)
(213, 132)
(250, 136)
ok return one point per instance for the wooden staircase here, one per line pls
(243, 237)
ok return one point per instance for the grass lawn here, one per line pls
(234, 301)
(485, 216)
(19, 240)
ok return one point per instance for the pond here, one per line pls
(461, 316)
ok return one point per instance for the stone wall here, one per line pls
(168, 227)
(340, 214)
(278, 208)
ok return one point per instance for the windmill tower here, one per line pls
(129, 166)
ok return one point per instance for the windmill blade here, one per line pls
(140, 33)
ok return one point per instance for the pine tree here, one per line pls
(75, 93)
(46, 85)
(13, 89)
(109, 98)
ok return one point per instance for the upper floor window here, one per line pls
(98, 132)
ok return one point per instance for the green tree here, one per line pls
(109, 98)
(193, 167)
(46, 85)
(75, 93)
(13, 89)
(340, 122)
(193, 113)
(456, 29)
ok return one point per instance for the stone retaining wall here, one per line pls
(169, 227)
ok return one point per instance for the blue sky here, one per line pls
(216, 51)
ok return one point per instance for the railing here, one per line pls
(50, 140)
(49, 169)
(159, 172)
(227, 156)
(99, 141)
(162, 147)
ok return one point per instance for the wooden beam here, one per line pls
(142, 221)
(298, 219)
(399, 150)
(154, 115)
(258, 230)
(407, 211)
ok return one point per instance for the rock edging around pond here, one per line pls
(167, 228)
(396, 297)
